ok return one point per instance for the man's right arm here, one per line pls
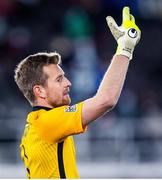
(108, 92)
(127, 36)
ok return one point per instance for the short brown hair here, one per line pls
(29, 72)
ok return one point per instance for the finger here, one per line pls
(132, 18)
(111, 22)
(126, 14)
(113, 27)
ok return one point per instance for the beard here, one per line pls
(66, 100)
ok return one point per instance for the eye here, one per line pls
(59, 79)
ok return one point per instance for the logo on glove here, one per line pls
(132, 33)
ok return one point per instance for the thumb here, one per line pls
(111, 22)
(114, 28)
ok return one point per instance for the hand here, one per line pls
(127, 35)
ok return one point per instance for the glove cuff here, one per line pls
(125, 51)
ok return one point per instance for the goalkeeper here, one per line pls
(47, 146)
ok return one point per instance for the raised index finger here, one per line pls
(126, 14)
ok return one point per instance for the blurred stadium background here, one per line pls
(126, 143)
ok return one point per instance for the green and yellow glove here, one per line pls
(127, 35)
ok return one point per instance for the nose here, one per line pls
(68, 83)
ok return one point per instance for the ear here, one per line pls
(39, 91)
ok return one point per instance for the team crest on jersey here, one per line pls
(70, 108)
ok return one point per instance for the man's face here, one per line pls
(57, 86)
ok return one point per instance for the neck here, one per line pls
(44, 104)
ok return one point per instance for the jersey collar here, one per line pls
(36, 108)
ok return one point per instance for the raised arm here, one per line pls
(127, 36)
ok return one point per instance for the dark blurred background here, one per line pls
(77, 29)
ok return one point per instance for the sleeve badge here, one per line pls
(71, 108)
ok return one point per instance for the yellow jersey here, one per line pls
(47, 146)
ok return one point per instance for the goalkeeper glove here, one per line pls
(127, 35)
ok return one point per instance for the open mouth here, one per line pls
(66, 92)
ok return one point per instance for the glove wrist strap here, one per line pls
(123, 50)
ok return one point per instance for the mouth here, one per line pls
(66, 96)
(66, 92)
